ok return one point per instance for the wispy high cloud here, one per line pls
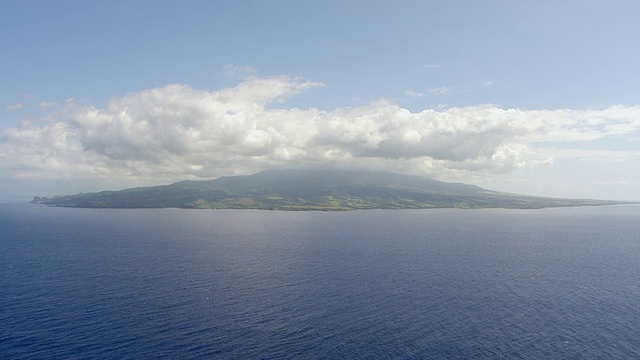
(415, 94)
(15, 106)
(441, 90)
(46, 104)
(236, 71)
(177, 132)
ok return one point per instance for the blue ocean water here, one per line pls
(169, 283)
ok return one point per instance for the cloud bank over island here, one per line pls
(177, 132)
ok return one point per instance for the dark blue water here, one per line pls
(502, 284)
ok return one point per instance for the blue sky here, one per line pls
(537, 97)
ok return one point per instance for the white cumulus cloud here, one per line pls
(177, 132)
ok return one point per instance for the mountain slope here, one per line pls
(311, 190)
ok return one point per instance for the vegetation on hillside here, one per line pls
(312, 190)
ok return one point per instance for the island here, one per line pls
(326, 190)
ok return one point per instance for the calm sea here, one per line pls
(443, 284)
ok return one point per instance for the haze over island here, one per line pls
(536, 98)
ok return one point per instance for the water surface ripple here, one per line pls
(168, 283)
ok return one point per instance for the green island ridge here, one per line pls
(319, 190)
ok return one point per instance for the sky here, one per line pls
(536, 97)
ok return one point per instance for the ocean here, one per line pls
(241, 284)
